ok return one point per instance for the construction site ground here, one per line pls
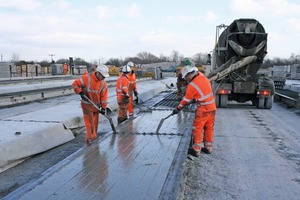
(256, 155)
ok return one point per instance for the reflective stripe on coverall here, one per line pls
(131, 88)
(122, 91)
(200, 90)
(96, 90)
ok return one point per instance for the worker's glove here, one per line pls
(135, 93)
(193, 101)
(175, 111)
(136, 100)
(82, 95)
(126, 98)
(103, 111)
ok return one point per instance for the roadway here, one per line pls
(256, 156)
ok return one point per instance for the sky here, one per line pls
(97, 30)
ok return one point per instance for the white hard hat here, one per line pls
(196, 69)
(103, 69)
(187, 69)
(130, 64)
(126, 68)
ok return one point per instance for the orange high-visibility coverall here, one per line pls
(122, 96)
(131, 89)
(200, 89)
(95, 90)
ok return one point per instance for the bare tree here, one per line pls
(62, 61)
(80, 61)
(294, 58)
(176, 56)
(114, 61)
(44, 63)
(163, 58)
(15, 58)
(201, 58)
(147, 57)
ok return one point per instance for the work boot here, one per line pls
(120, 120)
(194, 152)
(207, 148)
(88, 141)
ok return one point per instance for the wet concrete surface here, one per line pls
(136, 163)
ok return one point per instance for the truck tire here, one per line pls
(223, 100)
(269, 102)
(260, 103)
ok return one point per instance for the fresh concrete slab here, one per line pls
(47, 128)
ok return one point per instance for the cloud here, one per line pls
(104, 12)
(264, 7)
(247, 6)
(167, 41)
(207, 17)
(292, 25)
(28, 6)
(132, 11)
(60, 4)
(210, 16)
(159, 37)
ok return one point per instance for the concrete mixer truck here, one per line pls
(237, 56)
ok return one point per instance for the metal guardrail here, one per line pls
(288, 97)
(22, 97)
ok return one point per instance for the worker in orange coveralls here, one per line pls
(132, 89)
(199, 89)
(94, 86)
(122, 89)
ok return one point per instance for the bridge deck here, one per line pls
(133, 164)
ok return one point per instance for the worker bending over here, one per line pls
(122, 89)
(199, 89)
(132, 90)
(93, 86)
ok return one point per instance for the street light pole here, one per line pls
(51, 56)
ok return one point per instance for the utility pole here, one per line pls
(52, 57)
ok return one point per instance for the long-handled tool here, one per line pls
(109, 118)
(161, 122)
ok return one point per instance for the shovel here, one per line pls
(109, 119)
(161, 122)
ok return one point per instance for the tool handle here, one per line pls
(168, 116)
(94, 105)
(109, 119)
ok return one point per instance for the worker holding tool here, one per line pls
(132, 90)
(199, 89)
(122, 89)
(94, 87)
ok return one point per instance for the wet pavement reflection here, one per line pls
(132, 164)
